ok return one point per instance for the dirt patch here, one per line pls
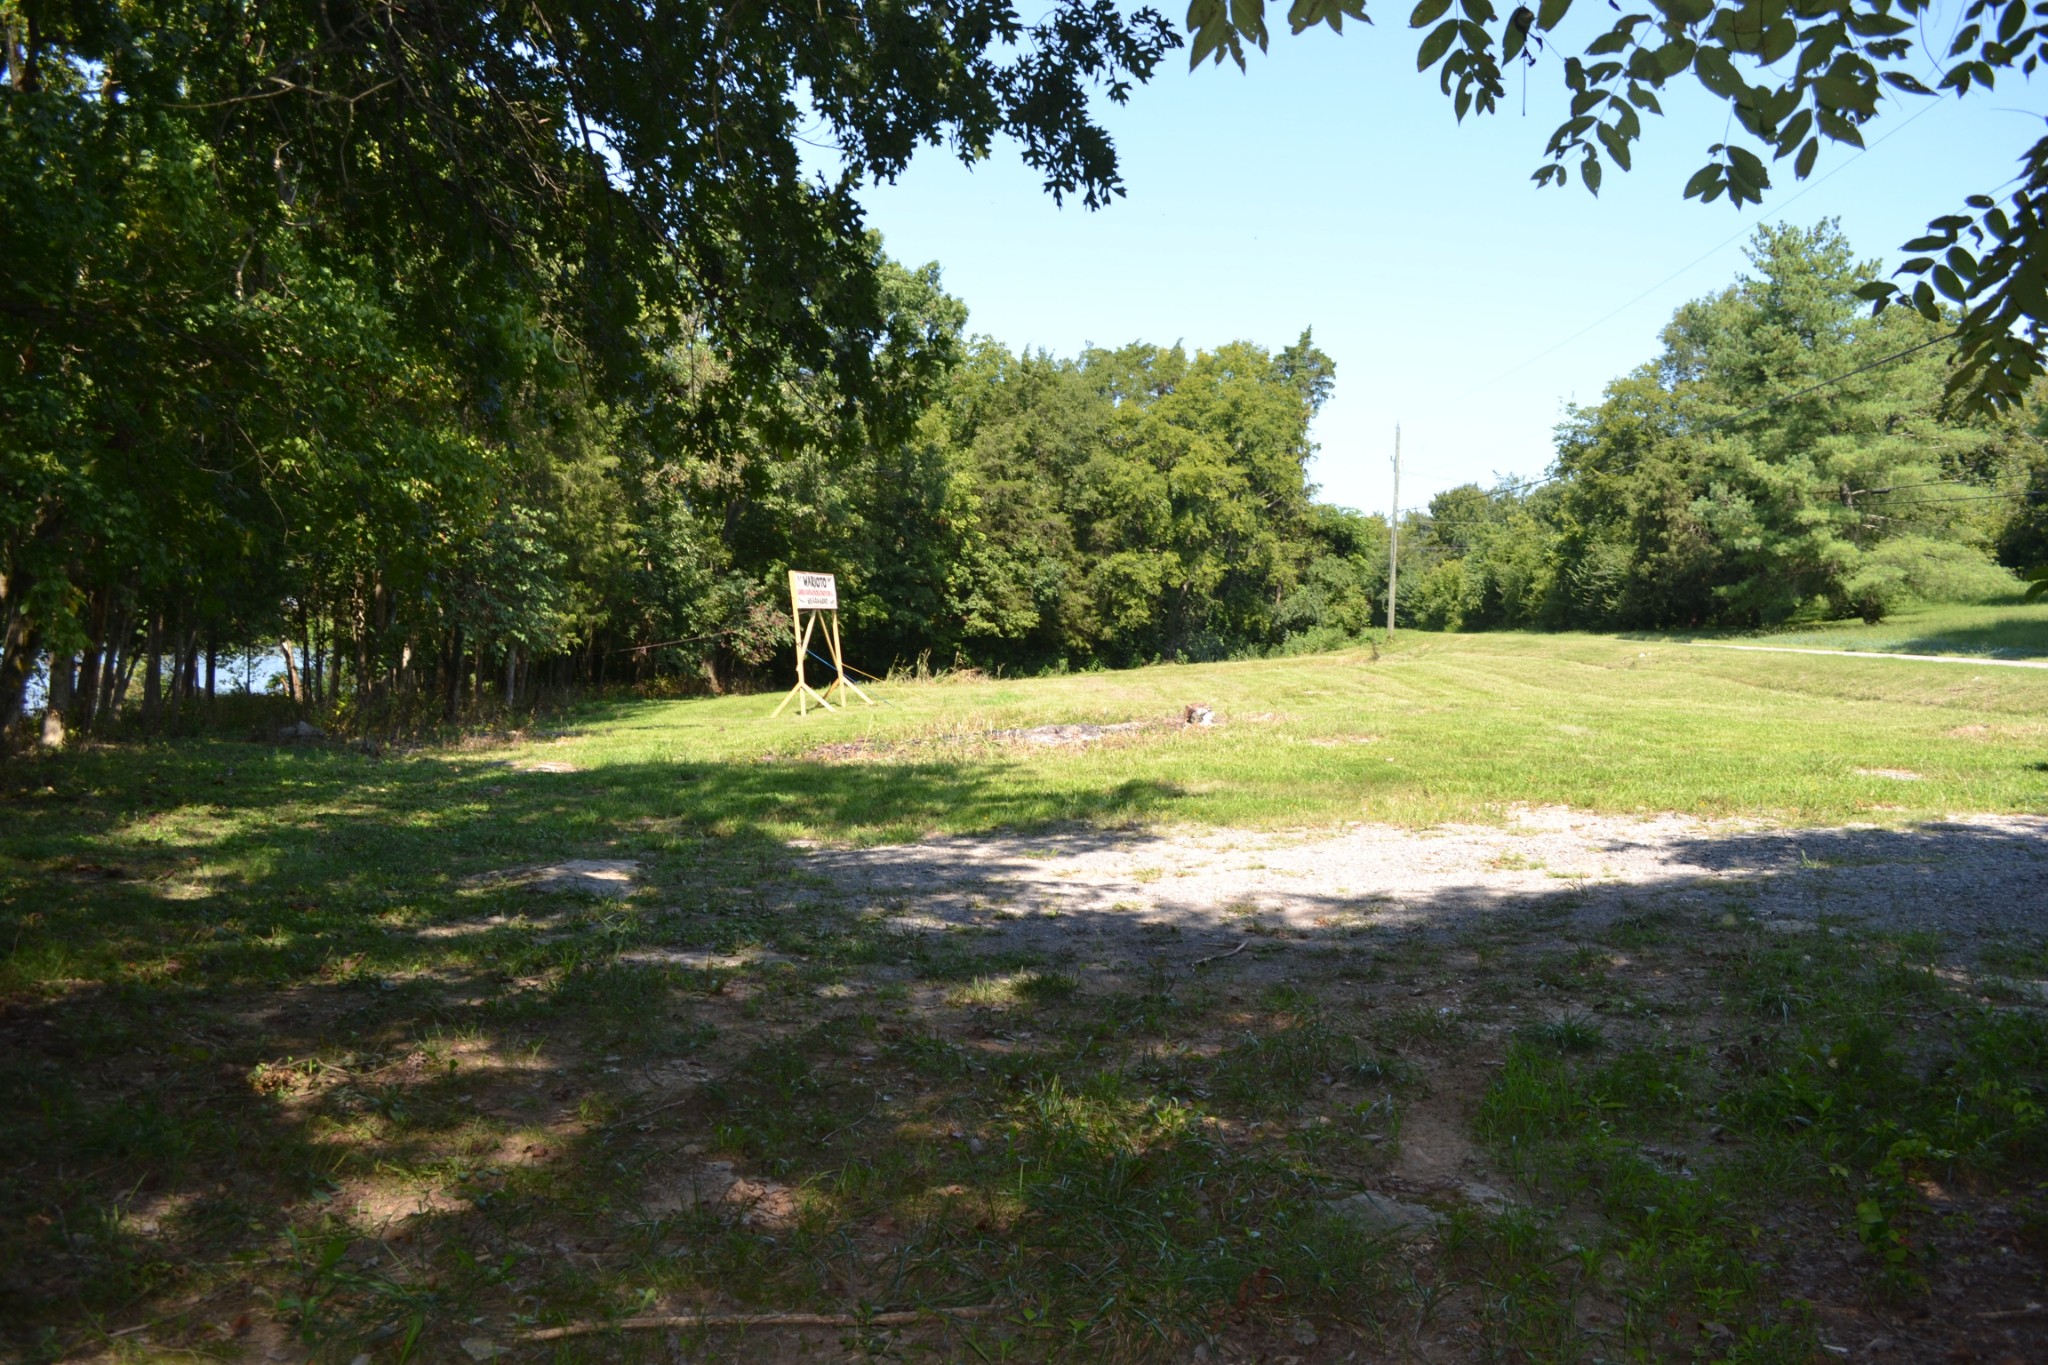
(716, 1186)
(610, 877)
(1118, 898)
(1075, 735)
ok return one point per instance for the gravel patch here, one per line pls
(1208, 888)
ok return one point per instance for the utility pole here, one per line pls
(1394, 526)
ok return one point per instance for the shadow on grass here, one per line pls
(273, 1059)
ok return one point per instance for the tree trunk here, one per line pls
(152, 681)
(451, 682)
(86, 692)
(18, 648)
(115, 662)
(291, 674)
(511, 674)
(63, 684)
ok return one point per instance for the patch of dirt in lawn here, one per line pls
(611, 877)
(1115, 896)
(1075, 735)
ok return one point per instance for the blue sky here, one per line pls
(1331, 187)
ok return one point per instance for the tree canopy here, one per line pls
(354, 300)
(1761, 469)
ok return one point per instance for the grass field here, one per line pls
(291, 1067)
(2003, 630)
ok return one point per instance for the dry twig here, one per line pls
(1205, 961)
(698, 1320)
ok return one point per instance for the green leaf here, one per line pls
(1427, 13)
(2010, 23)
(1717, 72)
(1872, 290)
(1551, 12)
(1589, 171)
(1704, 179)
(1802, 165)
(1675, 56)
(1779, 39)
(1248, 17)
(1436, 45)
(1838, 128)
(1794, 132)
(1949, 284)
(1616, 145)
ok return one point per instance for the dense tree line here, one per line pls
(1729, 482)
(353, 324)
(455, 353)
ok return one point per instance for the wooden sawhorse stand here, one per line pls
(812, 597)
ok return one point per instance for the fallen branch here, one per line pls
(2032, 1310)
(1205, 961)
(697, 1320)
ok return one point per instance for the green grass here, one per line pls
(283, 1068)
(1440, 728)
(2000, 630)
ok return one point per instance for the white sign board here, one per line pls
(814, 591)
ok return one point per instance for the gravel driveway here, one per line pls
(1974, 875)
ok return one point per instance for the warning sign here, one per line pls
(814, 591)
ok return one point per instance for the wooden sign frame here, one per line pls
(807, 587)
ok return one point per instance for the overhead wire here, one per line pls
(1722, 422)
(1712, 251)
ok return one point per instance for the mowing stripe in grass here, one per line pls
(1873, 654)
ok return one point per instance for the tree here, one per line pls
(1720, 484)
(1989, 261)
(308, 308)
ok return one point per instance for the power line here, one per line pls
(1719, 423)
(1712, 251)
(1815, 388)
(2022, 493)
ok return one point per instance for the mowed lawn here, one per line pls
(1436, 728)
(293, 1066)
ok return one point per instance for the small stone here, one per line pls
(1381, 1214)
(481, 1348)
(1485, 1196)
(1305, 1335)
